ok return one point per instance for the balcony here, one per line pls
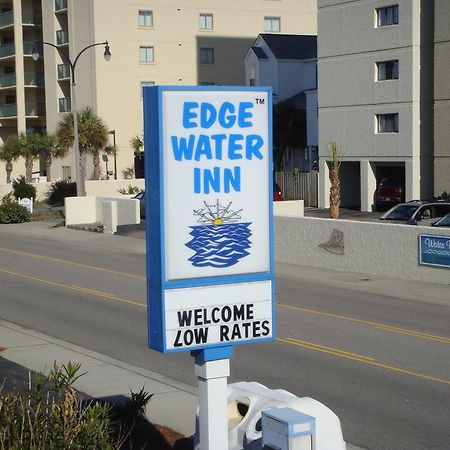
(6, 19)
(34, 79)
(8, 111)
(63, 71)
(8, 80)
(32, 18)
(34, 109)
(60, 5)
(62, 37)
(64, 105)
(7, 50)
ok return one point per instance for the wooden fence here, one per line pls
(299, 186)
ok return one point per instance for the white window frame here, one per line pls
(149, 51)
(206, 21)
(270, 24)
(381, 72)
(147, 18)
(387, 123)
(387, 16)
(207, 56)
(144, 84)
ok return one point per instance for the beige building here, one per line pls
(163, 42)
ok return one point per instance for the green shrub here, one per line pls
(50, 416)
(130, 190)
(59, 190)
(12, 212)
(22, 189)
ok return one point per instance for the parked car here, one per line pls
(417, 212)
(390, 192)
(141, 197)
(277, 193)
(442, 222)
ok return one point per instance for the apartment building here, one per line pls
(22, 97)
(377, 78)
(162, 42)
(441, 97)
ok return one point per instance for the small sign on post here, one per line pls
(210, 271)
(26, 203)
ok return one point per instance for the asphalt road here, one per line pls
(375, 351)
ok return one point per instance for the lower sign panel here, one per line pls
(206, 316)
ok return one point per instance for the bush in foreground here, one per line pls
(59, 190)
(50, 416)
(22, 189)
(12, 212)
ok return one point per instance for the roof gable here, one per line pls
(291, 46)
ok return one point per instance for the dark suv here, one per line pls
(417, 212)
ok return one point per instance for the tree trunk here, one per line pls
(8, 168)
(48, 163)
(96, 165)
(335, 195)
(82, 165)
(28, 168)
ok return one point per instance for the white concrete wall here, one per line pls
(111, 187)
(89, 210)
(372, 248)
(289, 208)
(41, 190)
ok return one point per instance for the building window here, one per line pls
(387, 123)
(387, 16)
(206, 56)
(145, 18)
(272, 24)
(146, 54)
(144, 84)
(387, 70)
(206, 21)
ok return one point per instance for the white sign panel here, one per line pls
(208, 315)
(216, 184)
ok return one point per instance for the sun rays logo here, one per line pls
(220, 241)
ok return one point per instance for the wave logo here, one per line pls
(220, 241)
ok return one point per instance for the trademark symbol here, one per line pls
(259, 101)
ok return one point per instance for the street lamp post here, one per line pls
(79, 174)
(113, 132)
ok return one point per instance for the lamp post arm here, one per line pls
(82, 51)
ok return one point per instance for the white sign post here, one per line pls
(208, 162)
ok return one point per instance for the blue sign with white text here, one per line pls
(434, 250)
(210, 270)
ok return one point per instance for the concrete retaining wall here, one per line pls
(374, 248)
(89, 210)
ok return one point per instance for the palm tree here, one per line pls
(137, 143)
(8, 154)
(50, 149)
(108, 150)
(92, 136)
(27, 146)
(335, 185)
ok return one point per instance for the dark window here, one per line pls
(387, 70)
(387, 123)
(206, 56)
(387, 16)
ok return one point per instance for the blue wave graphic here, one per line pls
(219, 245)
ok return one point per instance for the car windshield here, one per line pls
(400, 212)
(444, 222)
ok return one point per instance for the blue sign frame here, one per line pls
(434, 250)
(157, 283)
